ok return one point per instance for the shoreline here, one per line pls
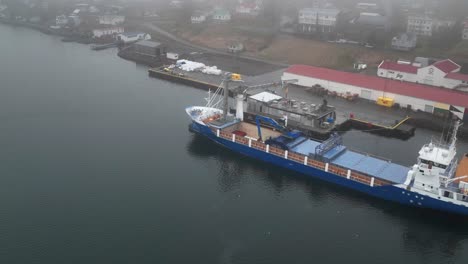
(418, 120)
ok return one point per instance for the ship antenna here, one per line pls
(454, 135)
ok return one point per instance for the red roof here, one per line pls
(446, 66)
(457, 76)
(431, 93)
(393, 66)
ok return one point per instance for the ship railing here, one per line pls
(303, 159)
(211, 118)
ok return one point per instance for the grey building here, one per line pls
(373, 20)
(149, 48)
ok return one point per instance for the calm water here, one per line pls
(98, 167)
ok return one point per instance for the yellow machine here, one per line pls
(236, 77)
(385, 101)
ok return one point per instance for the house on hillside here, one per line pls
(427, 25)
(61, 21)
(366, 27)
(107, 32)
(235, 47)
(249, 8)
(444, 73)
(367, 7)
(131, 37)
(198, 17)
(113, 20)
(221, 15)
(404, 42)
(465, 29)
(317, 19)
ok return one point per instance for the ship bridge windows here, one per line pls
(431, 164)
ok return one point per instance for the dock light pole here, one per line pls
(283, 82)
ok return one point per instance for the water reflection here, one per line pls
(236, 170)
(437, 233)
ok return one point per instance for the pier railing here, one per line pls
(303, 159)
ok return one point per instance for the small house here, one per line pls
(404, 42)
(235, 47)
(250, 8)
(465, 29)
(61, 21)
(107, 31)
(113, 20)
(198, 17)
(221, 15)
(172, 56)
(131, 37)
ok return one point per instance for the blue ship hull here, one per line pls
(388, 192)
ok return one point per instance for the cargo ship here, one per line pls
(436, 181)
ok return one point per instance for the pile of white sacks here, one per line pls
(189, 66)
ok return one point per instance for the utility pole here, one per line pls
(227, 78)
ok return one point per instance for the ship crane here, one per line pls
(447, 182)
(270, 121)
(241, 90)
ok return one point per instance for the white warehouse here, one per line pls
(444, 73)
(410, 95)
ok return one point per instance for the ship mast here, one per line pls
(227, 78)
(453, 140)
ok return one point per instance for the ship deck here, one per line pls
(338, 155)
(348, 159)
(250, 129)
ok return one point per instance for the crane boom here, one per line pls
(268, 120)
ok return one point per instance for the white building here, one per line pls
(131, 37)
(425, 25)
(445, 73)
(221, 15)
(61, 21)
(408, 95)
(108, 31)
(112, 20)
(367, 6)
(317, 19)
(198, 17)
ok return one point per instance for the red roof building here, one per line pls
(444, 73)
(407, 89)
(458, 76)
(393, 66)
(447, 66)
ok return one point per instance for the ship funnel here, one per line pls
(240, 107)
